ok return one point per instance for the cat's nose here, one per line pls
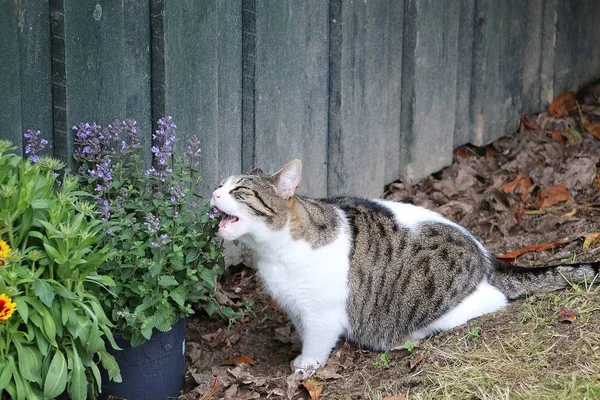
(216, 195)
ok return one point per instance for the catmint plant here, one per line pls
(166, 254)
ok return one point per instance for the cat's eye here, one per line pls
(241, 191)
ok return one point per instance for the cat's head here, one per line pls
(252, 203)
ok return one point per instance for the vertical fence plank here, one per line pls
(100, 67)
(358, 107)
(36, 71)
(248, 83)
(531, 81)
(393, 83)
(548, 48)
(202, 81)
(498, 66)
(428, 85)
(462, 129)
(291, 88)
(10, 101)
(136, 69)
(576, 49)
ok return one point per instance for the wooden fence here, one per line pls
(363, 91)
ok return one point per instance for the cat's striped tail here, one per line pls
(517, 282)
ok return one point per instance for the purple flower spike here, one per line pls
(34, 144)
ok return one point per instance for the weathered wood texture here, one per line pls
(364, 92)
(571, 50)
(429, 73)
(36, 70)
(291, 85)
(202, 81)
(358, 97)
(10, 100)
(106, 71)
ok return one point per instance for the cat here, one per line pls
(376, 272)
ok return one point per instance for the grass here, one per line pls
(522, 352)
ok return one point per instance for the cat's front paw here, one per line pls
(307, 365)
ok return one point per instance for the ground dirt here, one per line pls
(535, 192)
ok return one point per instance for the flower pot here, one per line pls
(153, 370)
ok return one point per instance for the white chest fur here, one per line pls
(311, 285)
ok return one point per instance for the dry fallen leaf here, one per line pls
(557, 136)
(566, 315)
(416, 359)
(537, 247)
(292, 382)
(462, 152)
(510, 187)
(593, 128)
(396, 397)
(590, 240)
(244, 360)
(231, 392)
(212, 390)
(553, 195)
(314, 387)
(522, 182)
(562, 104)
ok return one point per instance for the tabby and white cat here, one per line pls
(374, 271)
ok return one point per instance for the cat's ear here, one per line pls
(287, 178)
(256, 171)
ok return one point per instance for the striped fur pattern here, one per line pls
(376, 272)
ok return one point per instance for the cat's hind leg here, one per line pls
(484, 300)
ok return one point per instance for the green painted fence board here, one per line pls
(10, 101)
(106, 71)
(202, 81)
(291, 78)
(36, 71)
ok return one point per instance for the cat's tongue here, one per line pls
(227, 219)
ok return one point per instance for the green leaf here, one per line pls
(43, 291)
(40, 203)
(52, 252)
(78, 382)
(6, 374)
(49, 326)
(95, 342)
(208, 276)
(30, 363)
(101, 279)
(66, 310)
(179, 295)
(97, 376)
(211, 307)
(63, 292)
(111, 366)
(147, 331)
(56, 378)
(22, 309)
(167, 281)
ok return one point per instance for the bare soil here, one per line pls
(538, 186)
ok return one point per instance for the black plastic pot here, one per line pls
(154, 370)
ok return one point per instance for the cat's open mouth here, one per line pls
(227, 219)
